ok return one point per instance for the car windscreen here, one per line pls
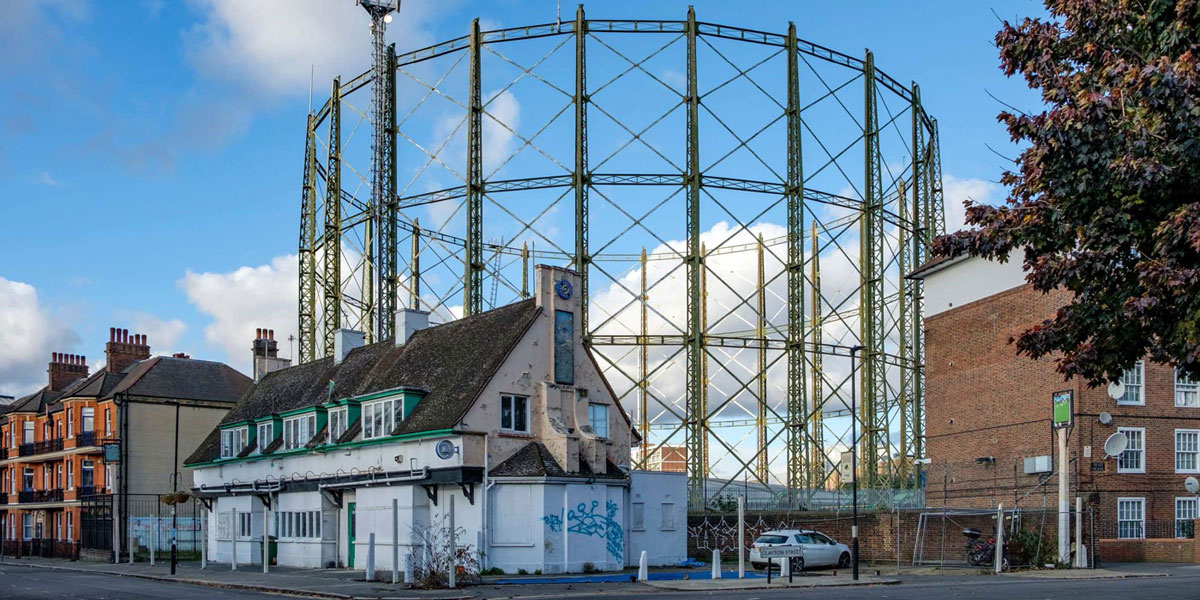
(771, 539)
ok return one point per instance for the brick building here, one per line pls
(54, 480)
(988, 415)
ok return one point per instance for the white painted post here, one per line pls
(1080, 559)
(408, 567)
(233, 528)
(643, 567)
(716, 564)
(999, 552)
(395, 540)
(453, 550)
(116, 521)
(785, 567)
(204, 540)
(266, 541)
(131, 541)
(371, 557)
(742, 537)
(1064, 503)
(153, 538)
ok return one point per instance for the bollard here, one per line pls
(999, 551)
(233, 527)
(395, 541)
(266, 542)
(371, 557)
(1080, 558)
(742, 537)
(408, 567)
(643, 567)
(153, 538)
(716, 564)
(131, 541)
(204, 541)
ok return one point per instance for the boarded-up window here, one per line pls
(638, 516)
(668, 516)
(564, 347)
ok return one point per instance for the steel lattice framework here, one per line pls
(700, 177)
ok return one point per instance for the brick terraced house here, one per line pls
(502, 419)
(56, 488)
(988, 419)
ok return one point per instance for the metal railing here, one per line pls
(85, 438)
(42, 447)
(33, 496)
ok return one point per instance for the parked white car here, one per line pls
(819, 549)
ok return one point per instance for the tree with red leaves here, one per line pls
(1105, 198)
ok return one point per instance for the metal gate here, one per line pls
(95, 522)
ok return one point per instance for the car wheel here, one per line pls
(844, 561)
(798, 564)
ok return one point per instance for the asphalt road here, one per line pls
(25, 583)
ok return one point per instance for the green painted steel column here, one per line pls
(797, 408)
(332, 243)
(389, 279)
(582, 179)
(871, 287)
(308, 250)
(937, 208)
(473, 252)
(414, 268)
(697, 421)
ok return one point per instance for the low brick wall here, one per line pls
(1168, 550)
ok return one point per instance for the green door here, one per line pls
(350, 533)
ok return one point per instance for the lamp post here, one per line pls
(854, 462)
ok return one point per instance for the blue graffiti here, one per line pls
(587, 520)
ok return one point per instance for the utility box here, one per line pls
(1038, 464)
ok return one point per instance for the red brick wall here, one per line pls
(983, 400)
(1148, 550)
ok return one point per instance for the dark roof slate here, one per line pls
(453, 361)
(182, 379)
(35, 402)
(534, 460)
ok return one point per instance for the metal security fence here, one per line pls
(145, 529)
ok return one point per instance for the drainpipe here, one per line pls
(486, 550)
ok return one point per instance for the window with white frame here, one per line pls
(244, 525)
(298, 524)
(381, 417)
(88, 421)
(1185, 515)
(70, 475)
(27, 479)
(1131, 518)
(266, 435)
(514, 413)
(1187, 392)
(27, 526)
(1187, 450)
(337, 424)
(87, 471)
(1135, 391)
(298, 431)
(107, 422)
(1133, 459)
(27, 433)
(233, 441)
(598, 419)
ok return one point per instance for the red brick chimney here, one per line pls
(65, 368)
(123, 349)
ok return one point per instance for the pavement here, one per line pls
(344, 584)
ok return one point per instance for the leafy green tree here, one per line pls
(1104, 200)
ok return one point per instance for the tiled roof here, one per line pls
(453, 361)
(534, 460)
(172, 378)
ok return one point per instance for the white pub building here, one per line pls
(504, 416)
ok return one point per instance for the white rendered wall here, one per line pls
(968, 280)
(663, 531)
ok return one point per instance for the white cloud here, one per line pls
(241, 300)
(956, 190)
(46, 179)
(272, 47)
(163, 335)
(29, 332)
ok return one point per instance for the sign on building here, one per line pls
(1064, 407)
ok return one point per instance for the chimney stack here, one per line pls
(123, 349)
(266, 353)
(66, 368)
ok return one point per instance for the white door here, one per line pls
(830, 549)
(814, 554)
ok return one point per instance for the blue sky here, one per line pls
(150, 151)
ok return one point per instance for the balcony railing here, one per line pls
(42, 447)
(3, 453)
(86, 490)
(33, 496)
(3, 497)
(85, 438)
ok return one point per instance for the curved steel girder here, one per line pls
(726, 183)
(719, 341)
(715, 30)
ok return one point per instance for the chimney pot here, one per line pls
(112, 334)
(258, 333)
(271, 334)
(83, 360)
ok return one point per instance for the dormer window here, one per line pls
(337, 424)
(266, 435)
(380, 418)
(233, 441)
(297, 431)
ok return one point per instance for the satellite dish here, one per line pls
(1116, 390)
(1192, 485)
(1115, 444)
(1105, 418)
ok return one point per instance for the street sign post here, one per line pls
(786, 552)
